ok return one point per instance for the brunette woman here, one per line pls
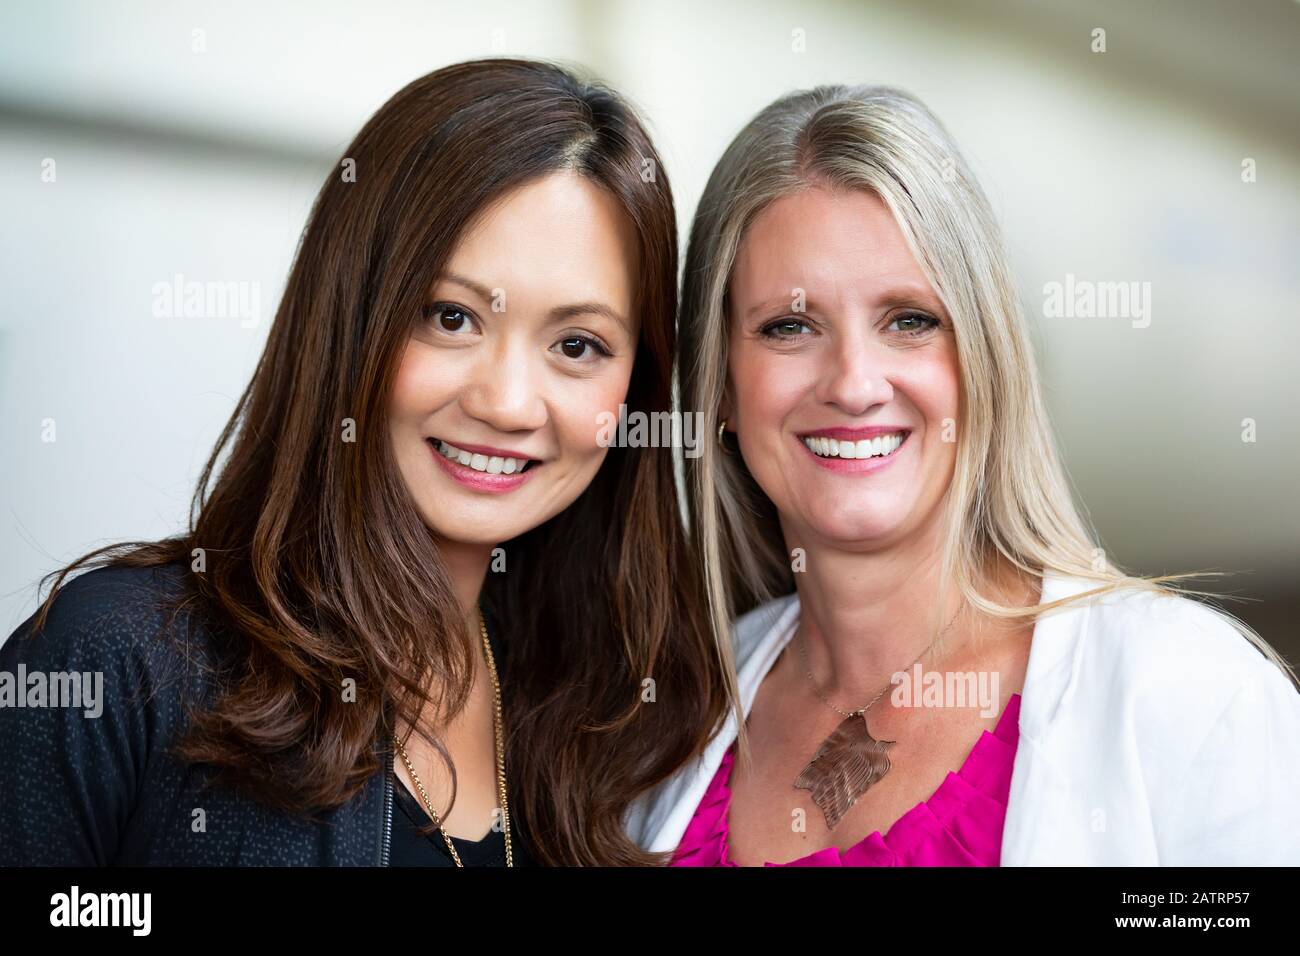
(416, 614)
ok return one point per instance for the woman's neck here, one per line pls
(866, 615)
(466, 566)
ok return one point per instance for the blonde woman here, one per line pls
(933, 663)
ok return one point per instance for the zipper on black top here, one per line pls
(388, 814)
(386, 806)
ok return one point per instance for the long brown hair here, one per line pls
(317, 561)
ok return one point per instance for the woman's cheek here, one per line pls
(939, 389)
(421, 383)
(586, 412)
(405, 385)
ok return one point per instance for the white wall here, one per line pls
(1115, 166)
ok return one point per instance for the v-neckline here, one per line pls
(1000, 732)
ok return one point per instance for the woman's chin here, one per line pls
(469, 532)
(857, 531)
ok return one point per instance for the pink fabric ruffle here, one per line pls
(960, 825)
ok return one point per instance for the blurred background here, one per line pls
(147, 144)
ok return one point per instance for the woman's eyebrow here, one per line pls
(771, 303)
(560, 313)
(905, 293)
(482, 291)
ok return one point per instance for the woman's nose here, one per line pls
(506, 390)
(856, 376)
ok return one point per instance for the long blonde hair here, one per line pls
(1009, 494)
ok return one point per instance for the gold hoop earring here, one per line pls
(721, 428)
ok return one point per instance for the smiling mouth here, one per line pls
(882, 446)
(487, 464)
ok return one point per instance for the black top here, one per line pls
(409, 848)
(97, 784)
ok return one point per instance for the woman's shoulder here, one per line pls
(1147, 631)
(1173, 675)
(90, 703)
(1181, 711)
(106, 617)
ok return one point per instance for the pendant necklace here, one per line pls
(850, 761)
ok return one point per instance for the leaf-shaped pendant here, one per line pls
(845, 766)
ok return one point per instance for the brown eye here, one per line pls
(581, 348)
(452, 319)
(574, 348)
(448, 318)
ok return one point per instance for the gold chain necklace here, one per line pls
(500, 758)
(850, 760)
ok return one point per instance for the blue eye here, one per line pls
(785, 329)
(917, 323)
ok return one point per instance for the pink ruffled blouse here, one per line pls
(960, 825)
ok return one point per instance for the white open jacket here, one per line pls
(1151, 733)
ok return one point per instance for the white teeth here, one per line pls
(877, 447)
(492, 465)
